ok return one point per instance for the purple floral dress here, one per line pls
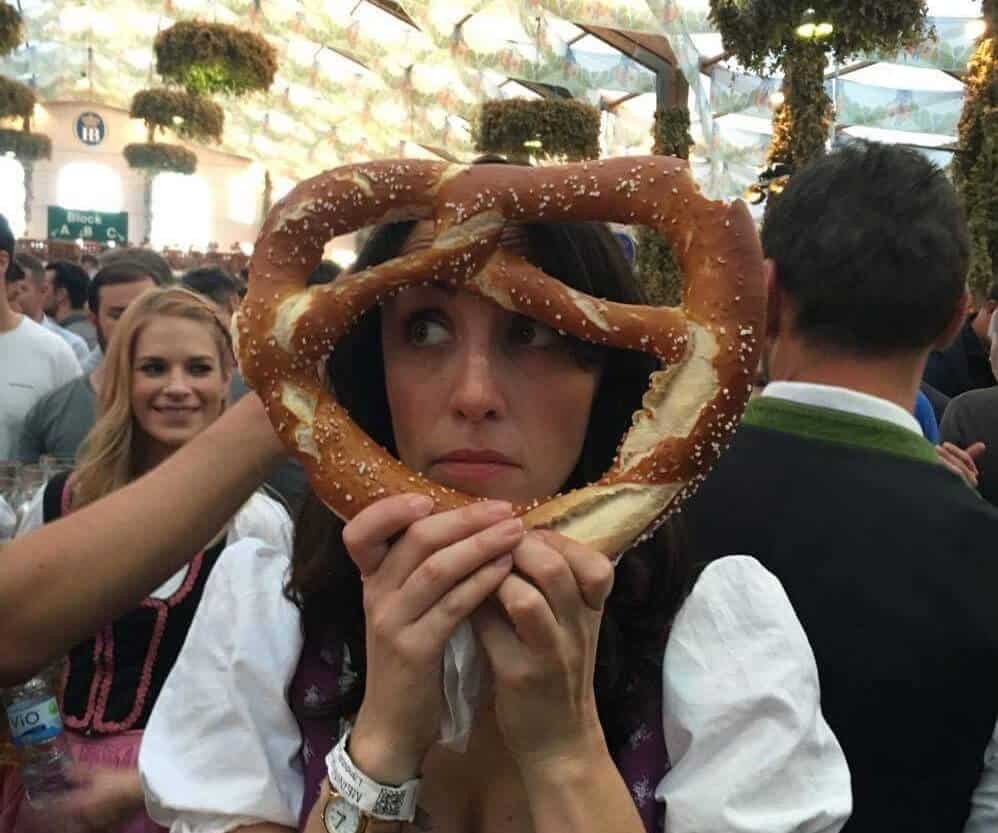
(322, 675)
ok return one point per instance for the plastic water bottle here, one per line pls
(37, 734)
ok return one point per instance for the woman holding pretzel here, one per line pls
(624, 700)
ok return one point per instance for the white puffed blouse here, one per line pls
(750, 749)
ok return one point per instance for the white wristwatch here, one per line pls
(340, 816)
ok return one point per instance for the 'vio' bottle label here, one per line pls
(33, 722)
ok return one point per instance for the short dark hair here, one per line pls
(870, 246)
(155, 264)
(122, 271)
(73, 278)
(88, 258)
(212, 282)
(7, 244)
(30, 264)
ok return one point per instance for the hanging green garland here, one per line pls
(766, 35)
(545, 127)
(208, 58)
(17, 100)
(802, 122)
(975, 166)
(656, 266)
(11, 28)
(192, 116)
(25, 146)
(159, 157)
(760, 33)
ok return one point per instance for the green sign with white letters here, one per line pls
(100, 226)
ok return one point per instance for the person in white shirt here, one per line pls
(695, 713)
(34, 297)
(32, 360)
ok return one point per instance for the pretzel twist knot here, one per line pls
(708, 346)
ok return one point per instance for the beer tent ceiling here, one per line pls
(360, 79)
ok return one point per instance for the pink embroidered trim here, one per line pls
(100, 687)
(65, 497)
(82, 723)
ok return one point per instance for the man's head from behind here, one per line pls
(217, 285)
(111, 291)
(868, 255)
(69, 283)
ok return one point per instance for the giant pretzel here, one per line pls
(708, 346)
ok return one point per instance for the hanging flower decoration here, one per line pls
(543, 128)
(975, 165)
(760, 33)
(11, 28)
(17, 101)
(207, 58)
(656, 266)
(797, 36)
(156, 157)
(190, 115)
(24, 146)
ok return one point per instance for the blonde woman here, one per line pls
(168, 368)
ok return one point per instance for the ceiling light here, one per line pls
(976, 29)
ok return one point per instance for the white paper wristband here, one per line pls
(378, 800)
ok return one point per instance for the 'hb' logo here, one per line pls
(90, 129)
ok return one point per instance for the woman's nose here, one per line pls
(177, 383)
(478, 389)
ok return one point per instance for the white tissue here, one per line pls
(467, 679)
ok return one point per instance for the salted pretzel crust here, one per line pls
(709, 345)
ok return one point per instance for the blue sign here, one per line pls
(90, 129)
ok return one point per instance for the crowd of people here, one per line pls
(810, 644)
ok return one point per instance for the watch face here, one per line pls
(341, 817)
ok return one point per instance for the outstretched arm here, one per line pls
(61, 583)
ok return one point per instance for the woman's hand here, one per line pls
(423, 575)
(540, 634)
(102, 799)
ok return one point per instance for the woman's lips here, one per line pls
(472, 465)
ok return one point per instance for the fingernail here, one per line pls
(510, 528)
(421, 503)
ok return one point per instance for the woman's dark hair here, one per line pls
(651, 580)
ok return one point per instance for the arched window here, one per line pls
(89, 186)
(181, 212)
(12, 194)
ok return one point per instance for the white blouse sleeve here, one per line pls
(264, 518)
(984, 801)
(750, 749)
(221, 747)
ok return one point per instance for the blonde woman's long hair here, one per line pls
(107, 459)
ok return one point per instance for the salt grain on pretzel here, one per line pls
(709, 345)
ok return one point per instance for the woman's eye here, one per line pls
(424, 331)
(529, 333)
(200, 369)
(151, 368)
